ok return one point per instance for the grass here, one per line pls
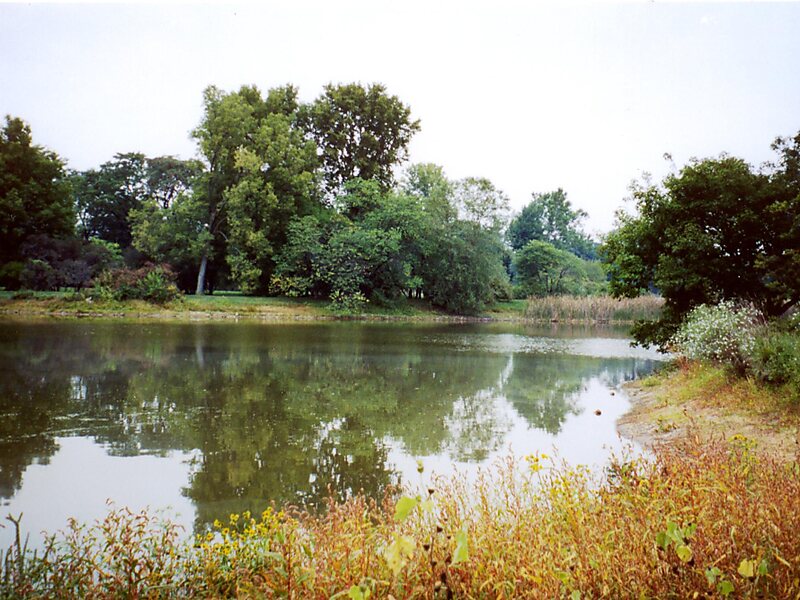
(705, 518)
(602, 309)
(565, 309)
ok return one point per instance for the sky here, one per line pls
(534, 96)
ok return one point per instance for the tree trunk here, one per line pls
(201, 275)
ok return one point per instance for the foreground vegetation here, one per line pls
(707, 518)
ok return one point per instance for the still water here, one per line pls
(206, 419)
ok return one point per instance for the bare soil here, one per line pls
(657, 417)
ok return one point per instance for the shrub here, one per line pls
(152, 283)
(722, 333)
(775, 358)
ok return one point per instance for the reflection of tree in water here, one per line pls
(544, 388)
(278, 413)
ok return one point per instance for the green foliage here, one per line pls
(775, 358)
(541, 269)
(428, 182)
(716, 230)
(361, 132)
(106, 196)
(152, 283)
(550, 218)
(480, 202)
(34, 192)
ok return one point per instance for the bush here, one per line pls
(152, 283)
(722, 333)
(776, 358)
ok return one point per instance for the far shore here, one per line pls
(237, 307)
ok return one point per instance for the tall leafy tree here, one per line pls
(428, 182)
(227, 121)
(105, 197)
(277, 182)
(550, 218)
(715, 230)
(480, 202)
(34, 191)
(361, 132)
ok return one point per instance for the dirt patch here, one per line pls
(656, 417)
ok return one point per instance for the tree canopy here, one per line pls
(550, 218)
(715, 230)
(361, 132)
(34, 191)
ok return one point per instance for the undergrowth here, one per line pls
(701, 519)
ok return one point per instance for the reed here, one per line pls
(600, 309)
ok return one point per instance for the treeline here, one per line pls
(288, 198)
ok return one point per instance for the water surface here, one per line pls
(213, 418)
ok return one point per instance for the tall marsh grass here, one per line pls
(703, 519)
(602, 309)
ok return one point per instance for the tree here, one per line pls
(105, 197)
(277, 182)
(462, 270)
(428, 182)
(361, 132)
(34, 191)
(713, 231)
(227, 120)
(480, 202)
(550, 218)
(544, 270)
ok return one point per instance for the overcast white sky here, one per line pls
(533, 96)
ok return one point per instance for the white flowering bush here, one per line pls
(725, 333)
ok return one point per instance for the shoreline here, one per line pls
(36, 309)
(659, 416)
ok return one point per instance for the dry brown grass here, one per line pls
(704, 519)
(602, 309)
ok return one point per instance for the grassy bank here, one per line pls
(703, 519)
(697, 397)
(222, 305)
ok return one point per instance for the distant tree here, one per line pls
(227, 121)
(550, 218)
(176, 235)
(716, 230)
(361, 132)
(462, 270)
(480, 202)
(34, 192)
(105, 197)
(541, 269)
(169, 177)
(428, 182)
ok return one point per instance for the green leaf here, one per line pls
(404, 507)
(398, 553)
(461, 552)
(763, 567)
(684, 553)
(662, 540)
(747, 568)
(356, 593)
(575, 595)
(725, 588)
(712, 574)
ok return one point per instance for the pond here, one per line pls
(205, 419)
